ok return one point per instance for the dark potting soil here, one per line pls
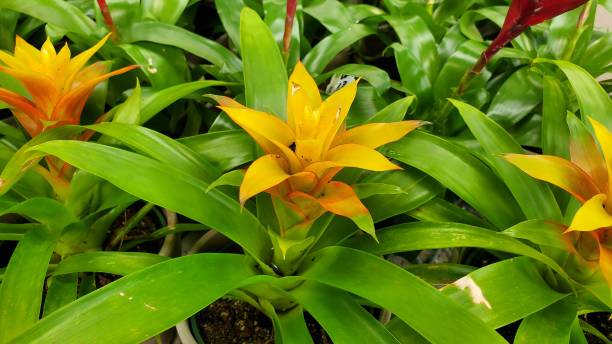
(232, 321)
(602, 322)
(145, 227)
(509, 331)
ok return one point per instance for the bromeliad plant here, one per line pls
(302, 157)
(304, 201)
(325, 278)
(59, 85)
(587, 178)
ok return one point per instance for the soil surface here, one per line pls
(145, 227)
(600, 321)
(233, 321)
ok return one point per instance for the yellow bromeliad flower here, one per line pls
(58, 84)
(588, 177)
(303, 154)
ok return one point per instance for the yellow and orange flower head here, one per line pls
(303, 154)
(588, 177)
(58, 84)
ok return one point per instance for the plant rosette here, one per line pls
(587, 177)
(303, 155)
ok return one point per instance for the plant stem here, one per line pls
(121, 232)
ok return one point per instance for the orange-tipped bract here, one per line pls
(303, 154)
(59, 85)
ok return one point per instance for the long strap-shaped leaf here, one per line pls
(56, 12)
(145, 303)
(485, 292)
(414, 301)
(154, 103)
(340, 315)
(461, 172)
(592, 98)
(429, 235)
(168, 187)
(178, 37)
(118, 263)
(534, 197)
(22, 285)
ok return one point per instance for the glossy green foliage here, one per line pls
(153, 148)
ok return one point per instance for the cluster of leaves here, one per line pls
(163, 149)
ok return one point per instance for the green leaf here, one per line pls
(378, 78)
(540, 232)
(61, 291)
(534, 197)
(167, 11)
(330, 13)
(15, 232)
(440, 210)
(598, 58)
(156, 102)
(516, 98)
(551, 325)
(22, 285)
(555, 134)
(9, 21)
(145, 303)
(173, 190)
(24, 159)
(422, 236)
(455, 67)
(476, 184)
(414, 78)
(129, 111)
(160, 147)
(232, 178)
(57, 12)
(561, 30)
(451, 8)
(117, 263)
(340, 314)
(404, 333)
(328, 48)
(417, 303)
(163, 66)
(291, 327)
(439, 274)
(485, 292)
(393, 112)
(177, 37)
(593, 100)
(415, 36)
(265, 75)
(225, 149)
(415, 189)
(229, 14)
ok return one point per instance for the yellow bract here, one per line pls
(58, 84)
(588, 178)
(306, 152)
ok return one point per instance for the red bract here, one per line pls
(523, 14)
(108, 20)
(291, 8)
